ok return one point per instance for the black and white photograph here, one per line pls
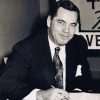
(49, 49)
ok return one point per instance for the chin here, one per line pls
(61, 44)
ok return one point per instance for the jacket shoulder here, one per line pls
(25, 49)
(80, 40)
(28, 44)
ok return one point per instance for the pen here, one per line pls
(52, 86)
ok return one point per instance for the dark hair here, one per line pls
(66, 4)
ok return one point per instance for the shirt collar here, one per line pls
(53, 46)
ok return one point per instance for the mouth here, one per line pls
(65, 36)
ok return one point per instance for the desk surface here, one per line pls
(84, 96)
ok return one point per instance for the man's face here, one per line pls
(62, 27)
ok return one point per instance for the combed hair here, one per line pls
(66, 4)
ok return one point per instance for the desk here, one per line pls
(84, 96)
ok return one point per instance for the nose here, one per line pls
(66, 29)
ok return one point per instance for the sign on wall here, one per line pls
(90, 24)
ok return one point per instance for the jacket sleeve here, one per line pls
(14, 81)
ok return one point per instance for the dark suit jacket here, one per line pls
(30, 66)
(2, 65)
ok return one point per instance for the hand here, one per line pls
(52, 94)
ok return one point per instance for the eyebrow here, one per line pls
(74, 23)
(60, 20)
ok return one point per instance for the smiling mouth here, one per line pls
(65, 35)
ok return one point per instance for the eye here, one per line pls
(73, 25)
(61, 22)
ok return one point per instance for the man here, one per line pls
(32, 65)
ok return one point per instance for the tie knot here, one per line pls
(57, 49)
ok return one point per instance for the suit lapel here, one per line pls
(71, 60)
(46, 61)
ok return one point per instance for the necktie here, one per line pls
(59, 68)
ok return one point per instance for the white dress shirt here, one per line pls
(62, 55)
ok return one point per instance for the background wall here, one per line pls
(16, 20)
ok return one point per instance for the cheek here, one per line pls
(56, 27)
(56, 30)
(72, 30)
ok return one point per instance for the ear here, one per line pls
(49, 21)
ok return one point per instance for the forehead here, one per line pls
(66, 15)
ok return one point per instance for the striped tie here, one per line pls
(59, 68)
